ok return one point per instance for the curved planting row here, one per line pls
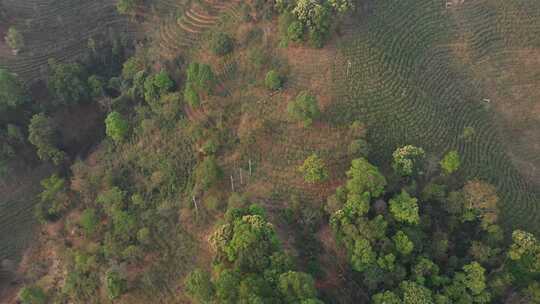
(399, 76)
(175, 37)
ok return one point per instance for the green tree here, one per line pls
(404, 208)
(221, 44)
(14, 39)
(156, 86)
(402, 243)
(386, 297)
(408, 160)
(12, 93)
(115, 284)
(208, 173)
(199, 286)
(450, 162)
(414, 293)
(43, 135)
(53, 198)
(96, 86)
(116, 127)
(364, 177)
(304, 108)
(272, 80)
(525, 249)
(475, 279)
(227, 286)
(314, 169)
(363, 255)
(68, 83)
(296, 287)
(32, 295)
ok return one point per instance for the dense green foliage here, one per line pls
(42, 133)
(116, 126)
(410, 253)
(314, 169)
(12, 93)
(68, 83)
(251, 266)
(408, 160)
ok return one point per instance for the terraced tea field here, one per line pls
(189, 24)
(17, 199)
(423, 71)
(58, 29)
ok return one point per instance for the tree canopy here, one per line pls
(314, 169)
(408, 160)
(12, 93)
(43, 135)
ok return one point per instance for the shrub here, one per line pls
(115, 284)
(221, 44)
(32, 295)
(272, 80)
(304, 108)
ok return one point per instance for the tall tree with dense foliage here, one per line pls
(408, 160)
(12, 93)
(404, 208)
(364, 177)
(314, 169)
(252, 265)
(44, 136)
(68, 83)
